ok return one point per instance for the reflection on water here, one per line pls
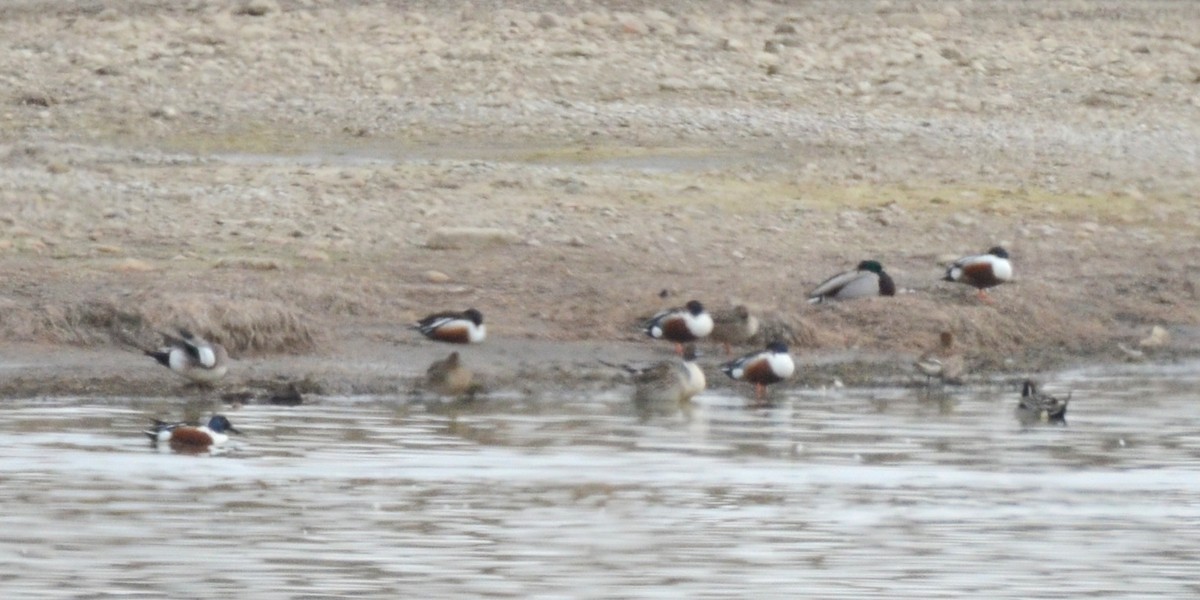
(858, 494)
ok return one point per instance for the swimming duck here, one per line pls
(762, 368)
(192, 357)
(681, 325)
(981, 271)
(942, 361)
(448, 376)
(464, 327)
(733, 326)
(1036, 407)
(866, 280)
(182, 437)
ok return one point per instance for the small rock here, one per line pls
(133, 265)
(257, 8)
(436, 277)
(732, 45)
(447, 238)
(1158, 338)
(313, 255)
(57, 168)
(165, 112)
(785, 28)
(673, 84)
(631, 25)
(547, 21)
(252, 263)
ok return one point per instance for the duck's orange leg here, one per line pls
(983, 297)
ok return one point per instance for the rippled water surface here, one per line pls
(855, 493)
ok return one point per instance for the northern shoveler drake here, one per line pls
(448, 376)
(182, 437)
(1036, 407)
(681, 325)
(866, 280)
(733, 326)
(941, 361)
(192, 357)
(464, 327)
(762, 368)
(981, 271)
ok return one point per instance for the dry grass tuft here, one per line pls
(243, 326)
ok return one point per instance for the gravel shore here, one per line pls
(301, 178)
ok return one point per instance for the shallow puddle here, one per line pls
(856, 493)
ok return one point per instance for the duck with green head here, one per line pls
(867, 280)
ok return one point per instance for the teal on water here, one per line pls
(856, 493)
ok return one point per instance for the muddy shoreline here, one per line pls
(300, 179)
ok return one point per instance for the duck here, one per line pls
(762, 368)
(941, 361)
(981, 271)
(192, 357)
(733, 325)
(448, 376)
(464, 327)
(183, 437)
(667, 385)
(681, 325)
(867, 280)
(1036, 407)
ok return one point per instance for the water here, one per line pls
(855, 494)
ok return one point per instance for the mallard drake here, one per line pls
(762, 368)
(733, 326)
(681, 325)
(448, 376)
(1036, 407)
(182, 437)
(464, 327)
(192, 357)
(941, 361)
(981, 271)
(866, 280)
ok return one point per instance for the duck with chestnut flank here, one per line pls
(681, 325)
(464, 327)
(981, 271)
(762, 368)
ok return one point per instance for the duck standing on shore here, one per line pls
(733, 325)
(192, 357)
(681, 325)
(762, 368)
(942, 361)
(981, 271)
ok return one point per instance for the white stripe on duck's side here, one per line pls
(762, 368)
(681, 325)
(192, 357)
(981, 271)
(866, 280)
(464, 327)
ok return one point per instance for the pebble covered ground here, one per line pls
(352, 166)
